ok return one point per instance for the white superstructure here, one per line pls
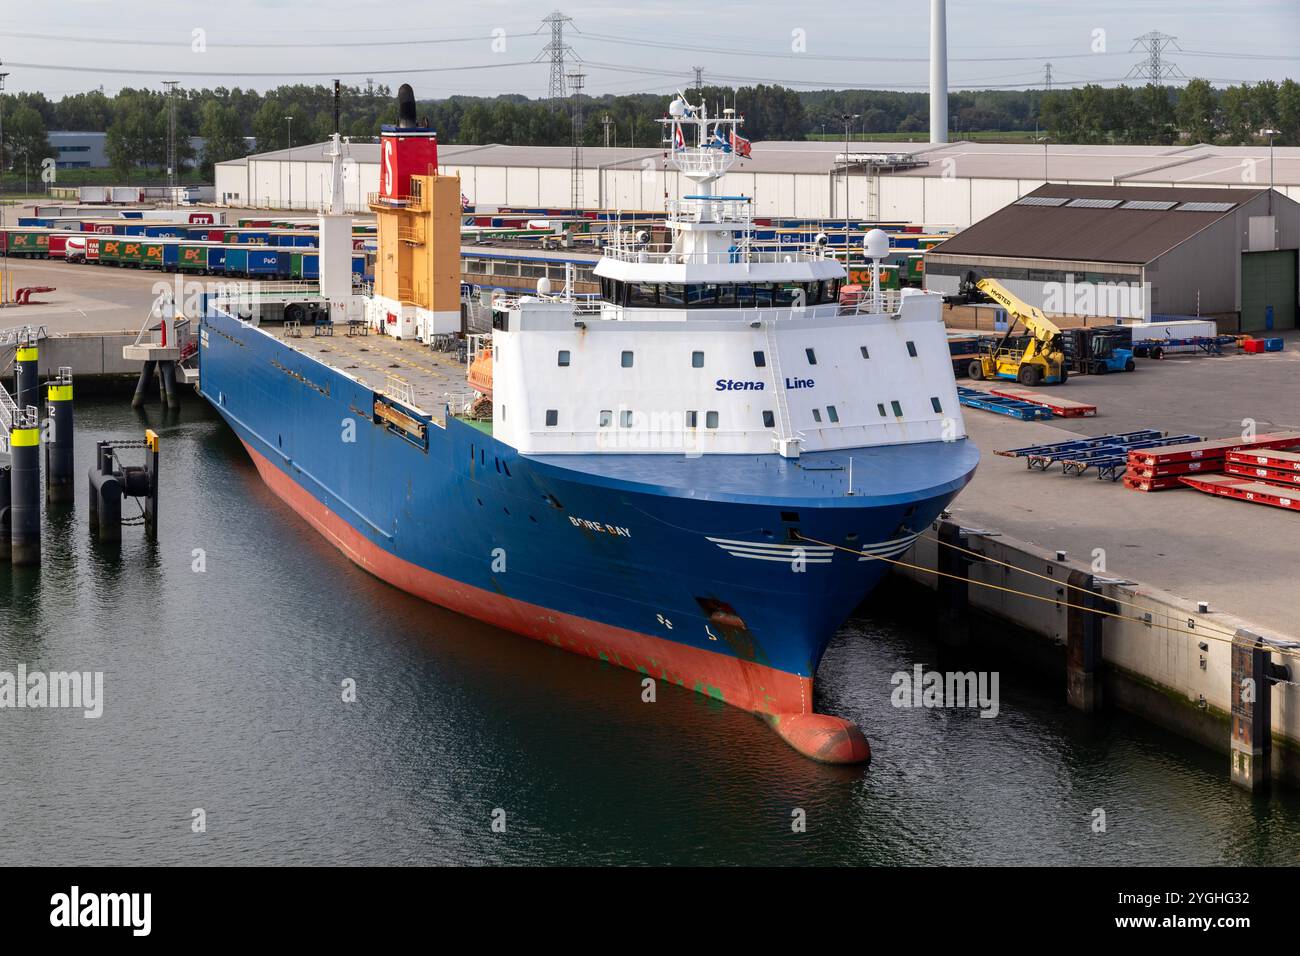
(702, 344)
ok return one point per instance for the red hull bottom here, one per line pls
(783, 699)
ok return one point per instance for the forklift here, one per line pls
(1040, 361)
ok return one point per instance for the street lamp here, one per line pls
(1270, 133)
(1043, 139)
(289, 158)
(848, 119)
(4, 286)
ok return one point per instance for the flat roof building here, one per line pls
(951, 184)
(1137, 252)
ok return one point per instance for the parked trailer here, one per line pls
(29, 243)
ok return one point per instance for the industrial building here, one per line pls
(1137, 252)
(941, 184)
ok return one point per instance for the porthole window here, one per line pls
(863, 350)
(710, 419)
(760, 360)
(606, 417)
(552, 417)
(817, 414)
(692, 419)
(880, 407)
(812, 356)
(769, 420)
(625, 418)
(934, 403)
(627, 360)
(697, 360)
(911, 349)
(832, 413)
(898, 409)
(562, 359)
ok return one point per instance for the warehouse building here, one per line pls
(939, 185)
(1138, 252)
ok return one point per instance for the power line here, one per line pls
(58, 38)
(58, 68)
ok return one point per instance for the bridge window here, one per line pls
(863, 350)
(625, 418)
(760, 360)
(832, 413)
(627, 360)
(769, 420)
(697, 360)
(812, 356)
(934, 403)
(911, 349)
(898, 409)
(562, 359)
(692, 419)
(672, 295)
(710, 419)
(606, 417)
(817, 414)
(552, 417)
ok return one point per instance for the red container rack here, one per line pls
(1158, 469)
(1244, 489)
(1267, 458)
(1061, 407)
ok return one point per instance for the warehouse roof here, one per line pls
(1130, 224)
(1188, 165)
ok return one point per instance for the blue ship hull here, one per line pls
(726, 574)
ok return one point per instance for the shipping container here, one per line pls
(235, 260)
(29, 243)
(110, 250)
(267, 262)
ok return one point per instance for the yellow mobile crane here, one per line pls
(1040, 362)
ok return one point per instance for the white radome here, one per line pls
(543, 286)
(876, 244)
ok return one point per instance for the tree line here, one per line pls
(236, 121)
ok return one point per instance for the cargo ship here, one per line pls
(694, 474)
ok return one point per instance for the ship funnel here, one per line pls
(406, 107)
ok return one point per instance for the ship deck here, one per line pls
(407, 370)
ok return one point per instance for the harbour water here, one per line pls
(225, 649)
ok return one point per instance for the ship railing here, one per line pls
(412, 203)
(22, 334)
(712, 209)
(586, 304)
(663, 254)
(11, 417)
(886, 300)
(703, 162)
(400, 390)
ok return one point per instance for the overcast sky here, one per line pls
(489, 46)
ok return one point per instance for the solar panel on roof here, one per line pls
(1041, 201)
(1206, 206)
(1158, 204)
(1095, 203)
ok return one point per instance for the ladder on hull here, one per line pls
(786, 441)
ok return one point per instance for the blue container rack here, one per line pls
(1025, 411)
(1107, 453)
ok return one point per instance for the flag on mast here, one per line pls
(679, 140)
(739, 144)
